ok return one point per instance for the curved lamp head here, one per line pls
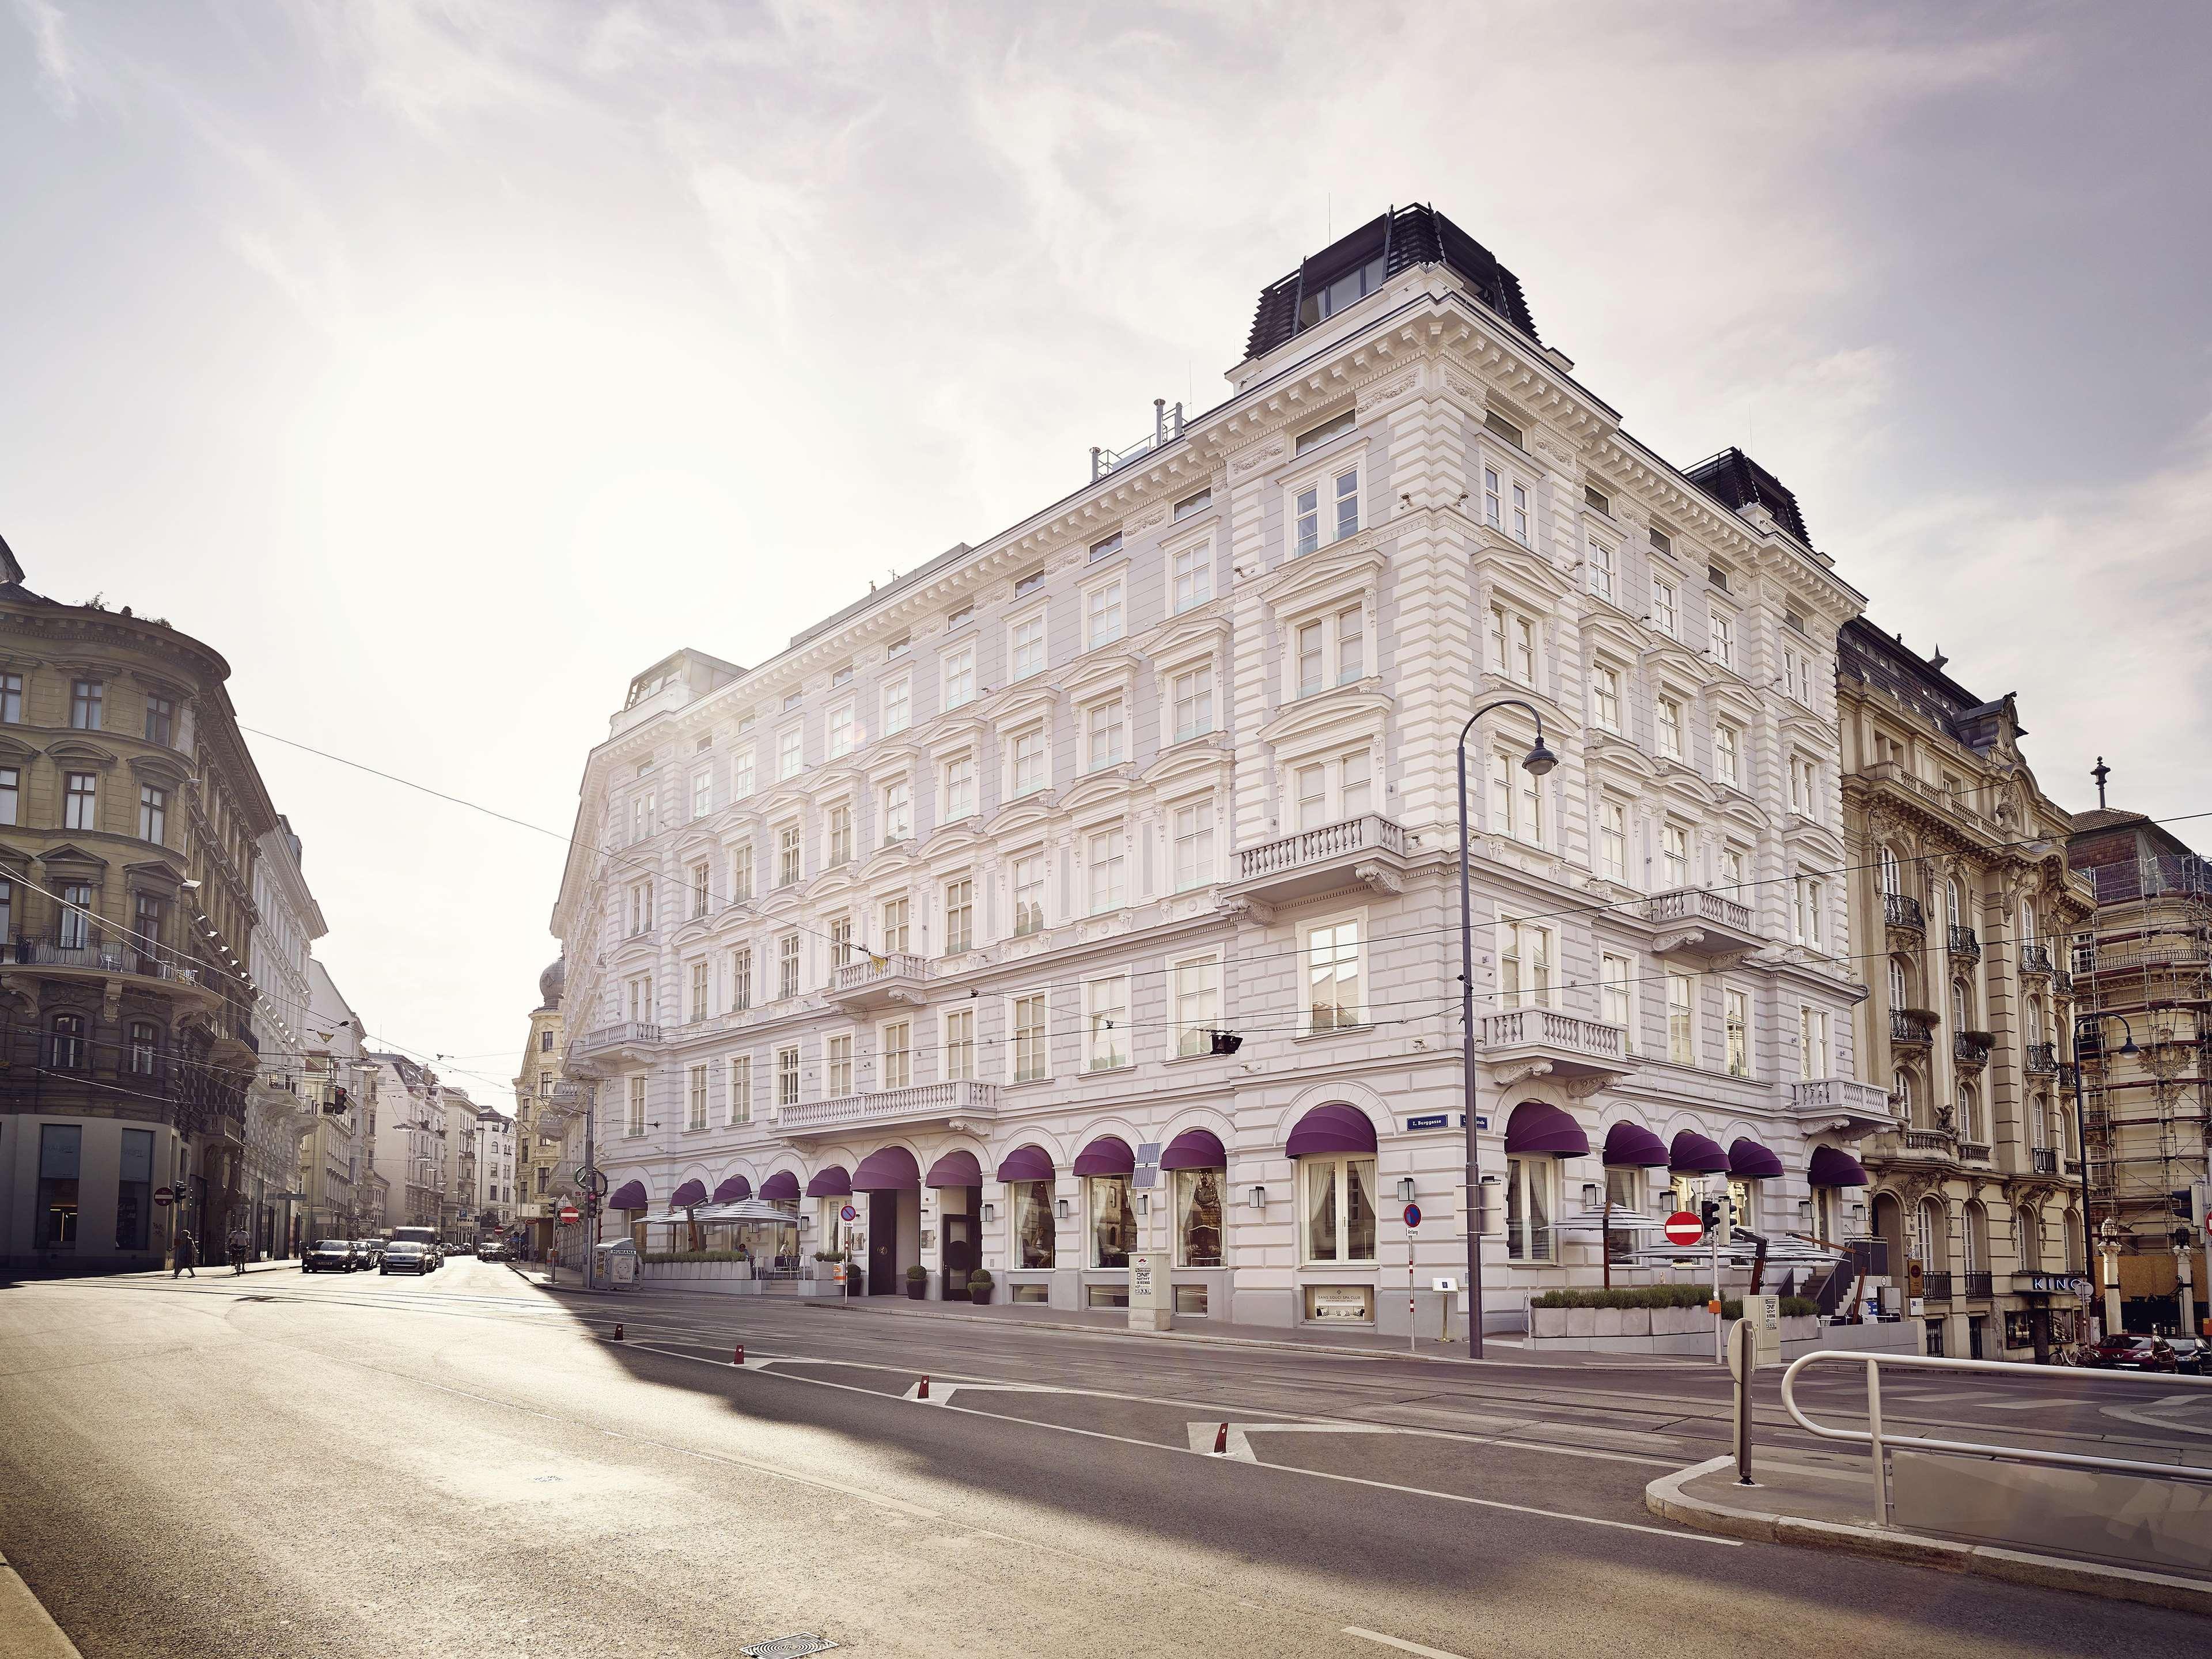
(1539, 760)
(2129, 1046)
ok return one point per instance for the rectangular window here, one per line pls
(1106, 1024)
(1732, 867)
(1737, 1016)
(897, 706)
(1334, 791)
(1520, 525)
(788, 855)
(1513, 645)
(702, 898)
(1193, 702)
(1516, 800)
(1804, 787)
(841, 942)
(1108, 888)
(786, 1076)
(1335, 977)
(633, 1121)
(134, 1191)
(1190, 504)
(1666, 609)
(1593, 496)
(1614, 990)
(641, 1011)
(894, 931)
(87, 698)
(1338, 1215)
(792, 700)
(1605, 698)
(640, 908)
(741, 773)
(1667, 728)
(1030, 583)
(959, 617)
(161, 716)
(837, 1062)
(694, 1097)
(1194, 845)
(11, 699)
(960, 1045)
(1103, 614)
(1726, 765)
(960, 677)
(1105, 728)
(741, 1089)
(1107, 548)
(1524, 965)
(838, 831)
(1723, 637)
(1682, 1018)
(959, 915)
(1113, 1230)
(1199, 1201)
(1810, 900)
(703, 981)
(1504, 428)
(741, 979)
(1327, 509)
(1197, 990)
(1315, 436)
(787, 966)
(60, 1152)
(1031, 772)
(1193, 574)
(1031, 1062)
(1675, 853)
(1030, 1203)
(1493, 498)
(1812, 1043)
(959, 788)
(898, 812)
(1528, 1207)
(741, 874)
(1029, 893)
(152, 813)
(1612, 841)
(790, 756)
(1717, 577)
(1600, 570)
(80, 805)
(842, 729)
(1025, 655)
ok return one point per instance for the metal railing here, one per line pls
(1903, 910)
(1969, 1050)
(2042, 1059)
(2036, 959)
(1909, 1028)
(2047, 1161)
(1963, 942)
(1980, 1283)
(107, 957)
(1880, 1444)
(1935, 1285)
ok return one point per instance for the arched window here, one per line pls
(1890, 875)
(1900, 1085)
(1977, 1240)
(1927, 1233)
(66, 1051)
(2038, 1122)
(2073, 1235)
(2031, 1242)
(2038, 1031)
(1961, 1007)
(1955, 910)
(1970, 1114)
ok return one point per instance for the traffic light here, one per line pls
(1227, 1042)
(1710, 1213)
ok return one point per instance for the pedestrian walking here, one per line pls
(238, 1245)
(187, 1253)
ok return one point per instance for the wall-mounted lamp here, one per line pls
(990, 1213)
(1590, 1196)
(1405, 1189)
(1804, 1215)
(1144, 1203)
(1259, 1198)
(1067, 1213)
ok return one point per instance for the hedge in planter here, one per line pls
(917, 1281)
(979, 1285)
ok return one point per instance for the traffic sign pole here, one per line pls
(1413, 1227)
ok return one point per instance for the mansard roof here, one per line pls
(1883, 660)
(1740, 481)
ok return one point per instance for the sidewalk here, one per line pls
(1357, 1344)
(1821, 1500)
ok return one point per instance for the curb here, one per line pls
(1665, 1498)
(27, 1631)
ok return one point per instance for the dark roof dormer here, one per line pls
(1740, 481)
(1354, 266)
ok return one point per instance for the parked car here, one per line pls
(331, 1255)
(405, 1256)
(370, 1250)
(2192, 1356)
(491, 1250)
(2124, 1351)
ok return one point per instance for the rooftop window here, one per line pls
(1314, 436)
(1717, 577)
(1598, 499)
(1346, 290)
(1107, 548)
(1499, 425)
(1662, 541)
(1030, 583)
(1190, 504)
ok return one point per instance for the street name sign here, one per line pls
(1683, 1227)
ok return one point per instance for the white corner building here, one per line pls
(936, 915)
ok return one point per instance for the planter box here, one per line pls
(1548, 1321)
(1610, 1322)
(1581, 1322)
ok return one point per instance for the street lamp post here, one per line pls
(2082, 1124)
(1537, 762)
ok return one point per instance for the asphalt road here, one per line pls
(465, 1465)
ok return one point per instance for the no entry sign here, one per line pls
(164, 1196)
(569, 1216)
(1683, 1227)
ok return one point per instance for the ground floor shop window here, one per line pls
(1198, 1217)
(1624, 1190)
(1033, 1228)
(1106, 1296)
(1032, 1293)
(60, 1149)
(134, 1189)
(1337, 1216)
(1743, 1197)
(1113, 1222)
(1190, 1300)
(1347, 1304)
(1529, 1208)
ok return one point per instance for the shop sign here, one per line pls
(1340, 1302)
(2056, 1283)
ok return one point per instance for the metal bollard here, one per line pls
(1873, 1431)
(1745, 1349)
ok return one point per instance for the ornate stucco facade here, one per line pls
(539, 1118)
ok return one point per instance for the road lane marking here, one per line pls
(1398, 1643)
(1240, 1447)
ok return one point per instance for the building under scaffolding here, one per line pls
(2142, 974)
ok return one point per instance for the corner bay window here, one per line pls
(1337, 1218)
(1198, 1216)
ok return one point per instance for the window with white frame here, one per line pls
(959, 788)
(741, 979)
(1192, 695)
(1105, 734)
(1025, 647)
(1812, 1042)
(843, 729)
(1727, 748)
(638, 991)
(1194, 503)
(1615, 996)
(1600, 570)
(703, 793)
(1337, 1212)
(1681, 1019)
(1723, 636)
(959, 1044)
(741, 873)
(1613, 840)
(1106, 859)
(1505, 504)
(790, 753)
(959, 676)
(1666, 608)
(1516, 799)
(838, 832)
(700, 1004)
(1029, 893)
(1735, 1019)
(1192, 575)
(1032, 768)
(837, 1065)
(787, 966)
(1194, 845)
(1605, 697)
(1335, 790)
(1667, 728)
(1032, 1057)
(1734, 877)
(634, 1119)
(741, 773)
(1811, 897)
(786, 1075)
(739, 1079)
(898, 810)
(1531, 1185)
(1804, 787)
(1325, 509)
(1797, 674)
(896, 927)
(1196, 989)
(694, 1097)
(1674, 855)
(1336, 975)
(152, 813)
(899, 705)
(640, 908)
(1512, 644)
(1331, 650)
(959, 915)
(841, 942)
(788, 855)
(1524, 965)
(1106, 1023)
(1102, 615)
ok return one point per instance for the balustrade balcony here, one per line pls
(957, 1105)
(1698, 921)
(874, 981)
(1369, 848)
(598, 1051)
(1842, 1104)
(1521, 1040)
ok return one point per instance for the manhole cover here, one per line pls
(788, 1647)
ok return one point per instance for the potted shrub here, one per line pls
(917, 1282)
(979, 1286)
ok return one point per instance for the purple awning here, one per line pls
(1194, 1149)
(1109, 1155)
(1749, 1161)
(832, 1183)
(1630, 1145)
(1026, 1164)
(781, 1188)
(735, 1190)
(1833, 1167)
(1334, 1128)
(1694, 1154)
(955, 1169)
(887, 1170)
(630, 1195)
(1538, 1127)
(690, 1193)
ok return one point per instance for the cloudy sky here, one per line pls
(444, 363)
